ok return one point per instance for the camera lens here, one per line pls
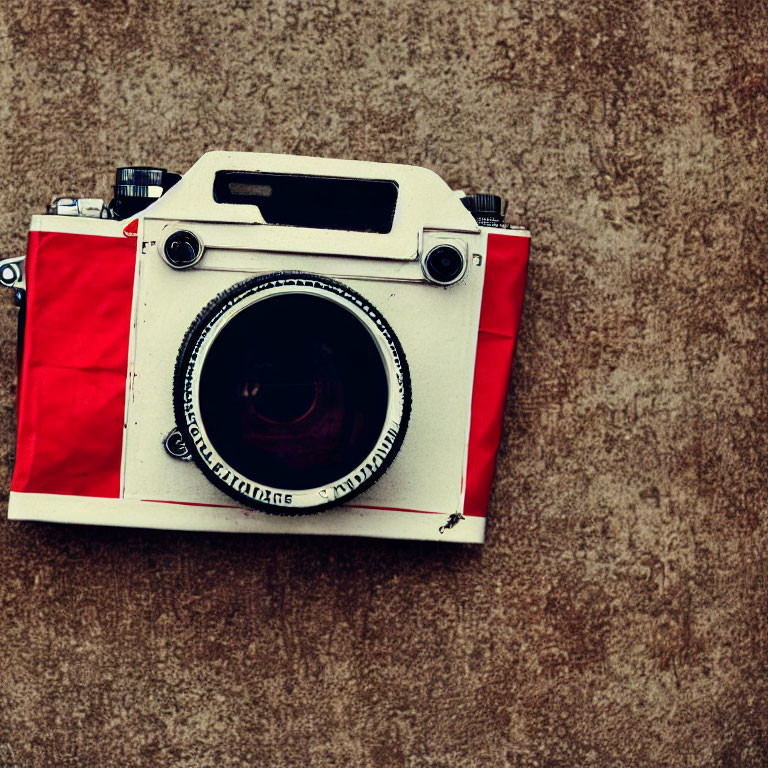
(292, 392)
(300, 405)
(182, 250)
(444, 264)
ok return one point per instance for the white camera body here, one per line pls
(422, 492)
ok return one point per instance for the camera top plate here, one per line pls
(424, 201)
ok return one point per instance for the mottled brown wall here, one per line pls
(618, 615)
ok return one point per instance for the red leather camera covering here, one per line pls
(505, 273)
(71, 400)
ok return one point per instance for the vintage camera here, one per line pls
(268, 343)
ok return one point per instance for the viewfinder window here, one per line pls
(318, 202)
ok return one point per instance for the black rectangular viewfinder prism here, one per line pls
(318, 202)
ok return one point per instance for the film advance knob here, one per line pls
(486, 208)
(136, 187)
(139, 182)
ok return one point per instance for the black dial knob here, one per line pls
(140, 176)
(486, 208)
(137, 186)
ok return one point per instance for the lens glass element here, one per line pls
(293, 392)
(444, 264)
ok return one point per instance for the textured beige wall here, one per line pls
(618, 615)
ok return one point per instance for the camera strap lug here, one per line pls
(12, 271)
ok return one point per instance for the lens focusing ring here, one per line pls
(267, 453)
(444, 265)
(182, 249)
